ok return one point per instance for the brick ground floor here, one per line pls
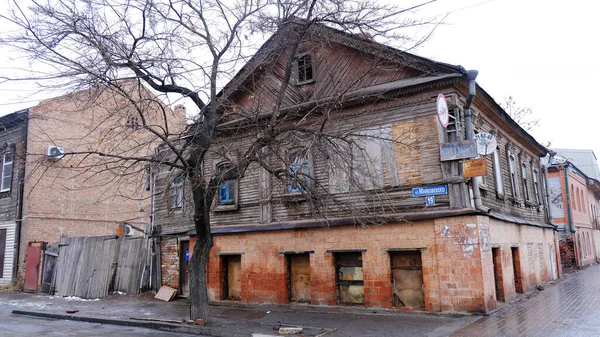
(462, 263)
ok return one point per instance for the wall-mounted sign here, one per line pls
(430, 200)
(474, 167)
(486, 143)
(458, 150)
(442, 110)
(430, 190)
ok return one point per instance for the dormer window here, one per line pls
(305, 69)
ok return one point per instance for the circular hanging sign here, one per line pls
(442, 110)
(486, 143)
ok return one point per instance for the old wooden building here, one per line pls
(13, 128)
(390, 220)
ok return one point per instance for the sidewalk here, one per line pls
(233, 319)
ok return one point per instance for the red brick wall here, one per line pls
(169, 262)
(458, 273)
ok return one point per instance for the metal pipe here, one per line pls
(471, 76)
(569, 215)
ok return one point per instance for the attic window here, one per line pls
(305, 69)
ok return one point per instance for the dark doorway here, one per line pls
(497, 260)
(2, 250)
(232, 279)
(349, 278)
(299, 278)
(518, 274)
(184, 268)
(407, 279)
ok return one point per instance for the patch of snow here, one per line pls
(75, 298)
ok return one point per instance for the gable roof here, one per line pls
(277, 43)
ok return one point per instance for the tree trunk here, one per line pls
(198, 265)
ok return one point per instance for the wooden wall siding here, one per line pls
(337, 69)
(9, 200)
(507, 204)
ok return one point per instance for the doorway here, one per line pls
(184, 268)
(407, 279)
(2, 250)
(232, 279)
(299, 278)
(518, 276)
(498, 282)
(349, 278)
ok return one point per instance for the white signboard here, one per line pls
(486, 143)
(442, 110)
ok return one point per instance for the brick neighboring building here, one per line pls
(448, 256)
(72, 195)
(574, 205)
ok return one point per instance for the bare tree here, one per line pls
(522, 115)
(191, 50)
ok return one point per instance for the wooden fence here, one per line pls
(87, 266)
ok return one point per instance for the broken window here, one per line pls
(227, 192)
(7, 168)
(536, 187)
(298, 170)
(305, 69)
(176, 192)
(525, 176)
(498, 173)
(512, 170)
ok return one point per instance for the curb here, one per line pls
(170, 327)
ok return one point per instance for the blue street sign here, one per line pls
(430, 190)
(430, 200)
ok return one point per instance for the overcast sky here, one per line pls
(542, 53)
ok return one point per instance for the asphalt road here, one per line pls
(16, 326)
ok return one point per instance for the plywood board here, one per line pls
(166, 293)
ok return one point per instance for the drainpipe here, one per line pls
(547, 189)
(471, 76)
(565, 169)
(19, 217)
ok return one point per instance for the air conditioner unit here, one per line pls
(55, 152)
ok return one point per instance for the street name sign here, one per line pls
(430, 190)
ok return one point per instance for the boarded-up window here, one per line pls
(363, 164)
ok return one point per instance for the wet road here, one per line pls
(568, 308)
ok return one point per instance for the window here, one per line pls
(7, 168)
(227, 192)
(498, 173)
(525, 176)
(176, 193)
(536, 187)
(581, 197)
(512, 170)
(298, 170)
(305, 69)
(573, 198)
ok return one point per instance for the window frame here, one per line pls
(176, 189)
(307, 174)
(499, 181)
(525, 181)
(220, 206)
(512, 173)
(536, 185)
(302, 69)
(3, 188)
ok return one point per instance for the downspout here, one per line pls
(547, 189)
(570, 218)
(471, 76)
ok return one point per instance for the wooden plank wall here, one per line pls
(130, 265)
(84, 266)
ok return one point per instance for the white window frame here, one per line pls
(7, 169)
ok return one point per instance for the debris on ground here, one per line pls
(166, 293)
(289, 331)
